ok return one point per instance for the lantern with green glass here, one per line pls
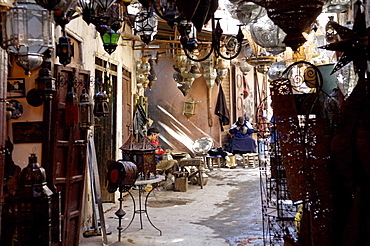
(110, 40)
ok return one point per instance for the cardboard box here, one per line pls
(181, 184)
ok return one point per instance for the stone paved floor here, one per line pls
(227, 211)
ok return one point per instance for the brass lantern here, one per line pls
(85, 111)
(27, 33)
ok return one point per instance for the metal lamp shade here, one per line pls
(48, 4)
(338, 6)
(27, 33)
(246, 12)
(268, 35)
(293, 17)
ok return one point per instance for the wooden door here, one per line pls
(105, 133)
(127, 104)
(66, 160)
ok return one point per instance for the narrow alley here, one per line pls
(227, 211)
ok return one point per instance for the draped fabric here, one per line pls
(221, 109)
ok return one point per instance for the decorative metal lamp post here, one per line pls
(27, 33)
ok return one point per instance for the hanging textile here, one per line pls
(245, 88)
(221, 109)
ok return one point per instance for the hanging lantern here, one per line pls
(331, 34)
(45, 82)
(209, 73)
(85, 111)
(71, 113)
(189, 107)
(65, 50)
(245, 12)
(48, 4)
(104, 14)
(262, 63)
(101, 107)
(146, 28)
(293, 17)
(110, 40)
(222, 68)
(268, 35)
(244, 67)
(338, 6)
(27, 33)
(276, 70)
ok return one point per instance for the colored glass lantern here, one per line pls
(110, 40)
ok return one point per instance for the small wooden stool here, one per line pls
(197, 162)
(213, 161)
(250, 160)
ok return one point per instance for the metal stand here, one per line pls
(140, 211)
